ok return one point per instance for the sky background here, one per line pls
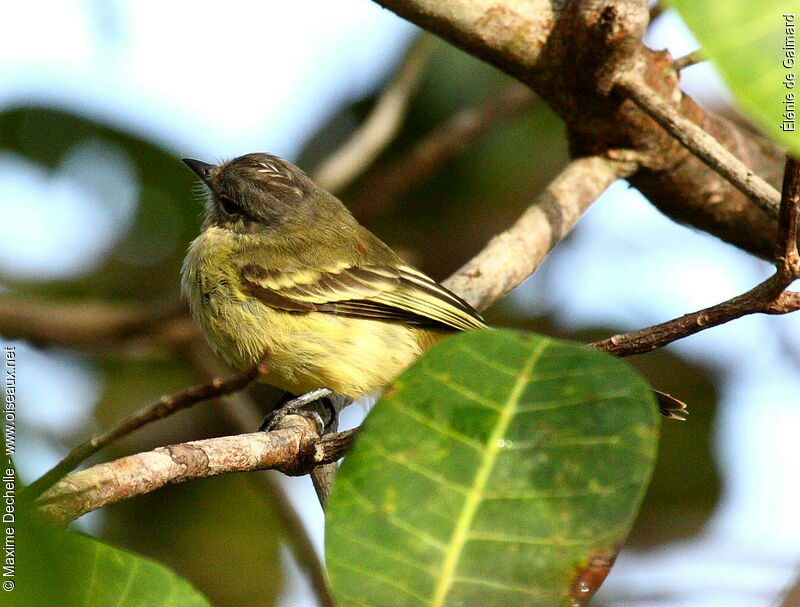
(210, 83)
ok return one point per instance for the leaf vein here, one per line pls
(423, 421)
(474, 498)
(501, 586)
(461, 390)
(390, 518)
(412, 467)
(381, 578)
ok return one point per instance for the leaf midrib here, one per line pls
(459, 537)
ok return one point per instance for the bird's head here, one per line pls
(256, 193)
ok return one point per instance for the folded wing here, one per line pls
(377, 292)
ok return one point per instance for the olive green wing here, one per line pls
(377, 292)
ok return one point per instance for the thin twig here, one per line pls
(787, 259)
(163, 407)
(322, 476)
(763, 298)
(381, 126)
(689, 60)
(297, 448)
(769, 297)
(389, 183)
(294, 533)
(504, 262)
(322, 479)
(700, 143)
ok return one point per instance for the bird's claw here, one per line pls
(307, 405)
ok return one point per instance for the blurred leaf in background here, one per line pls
(148, 239)
(228, 525)
(143, 214)
(221, 533)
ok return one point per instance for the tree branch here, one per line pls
(295, 534)
(505, 262)
(700, 143)
(791, 597)
(382, 124)
(513, 255)
(293, 449)
(541, 43)
(163, 407)
(389, 183)
(297, 448)
(570, 54)
(769, 297)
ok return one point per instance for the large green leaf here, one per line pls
(501, 469)
(746, 41)
(65, 568)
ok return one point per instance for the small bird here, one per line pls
(281, 266)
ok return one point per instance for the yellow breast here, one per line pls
(307, 350)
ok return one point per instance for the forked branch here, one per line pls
(769, 297)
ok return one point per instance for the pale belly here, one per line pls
(351, 356)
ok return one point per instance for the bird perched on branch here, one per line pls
(281, 266)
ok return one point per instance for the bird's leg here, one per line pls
(321, 406)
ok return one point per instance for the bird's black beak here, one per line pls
(200, 168)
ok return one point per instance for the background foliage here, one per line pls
(437, 226)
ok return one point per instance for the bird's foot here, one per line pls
(318, 405)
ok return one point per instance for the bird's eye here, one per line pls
(230, 206)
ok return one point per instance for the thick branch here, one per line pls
(163, 407)
(294, 449)
(570, 54)
(510, 36)
(92, 325)
(513, 255)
